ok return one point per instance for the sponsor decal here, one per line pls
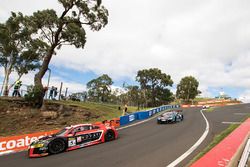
(154, 111)
(131, 118)
(16, 143)
(71, 142)
(79, 139)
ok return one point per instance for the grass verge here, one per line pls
(211, 109)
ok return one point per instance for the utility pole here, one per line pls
(48, 82)
(66, 92)
(60, 91)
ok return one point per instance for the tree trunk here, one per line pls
(3, 85)
(39, 92)
(6, 90)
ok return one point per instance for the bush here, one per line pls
(34, 96)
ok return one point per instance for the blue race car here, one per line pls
(170, 117)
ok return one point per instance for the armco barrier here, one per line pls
(144, 114)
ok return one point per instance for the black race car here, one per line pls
(170, 117)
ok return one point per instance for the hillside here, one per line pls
(18, 118)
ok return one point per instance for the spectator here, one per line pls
(55, 93)
(17, 87)
(125, 110)
(51, 93)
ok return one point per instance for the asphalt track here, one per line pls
(147, 144)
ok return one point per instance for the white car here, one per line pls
(206, 107)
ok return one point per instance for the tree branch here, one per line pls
(46, 36)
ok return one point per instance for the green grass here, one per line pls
(107, 111)
(211, 109)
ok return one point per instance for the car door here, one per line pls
(86, 134)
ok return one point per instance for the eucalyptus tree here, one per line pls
(100, 88)
(155, 84)
(18, 52)
(187, 88)
(64, 28)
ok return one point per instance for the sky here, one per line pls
(206, 39)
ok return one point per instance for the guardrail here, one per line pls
(245, 155)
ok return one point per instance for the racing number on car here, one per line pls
(71, 142)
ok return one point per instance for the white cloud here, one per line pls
(207, 39)
(245, 97)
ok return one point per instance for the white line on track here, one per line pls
(189, 151)
(231, 122)
(6, 152)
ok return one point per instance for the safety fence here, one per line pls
(21, 142)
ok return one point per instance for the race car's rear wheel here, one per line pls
(110, 135)
(56, 146)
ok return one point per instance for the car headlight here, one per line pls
(37, 145)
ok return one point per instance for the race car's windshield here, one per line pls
(61, 132)
(167, 114)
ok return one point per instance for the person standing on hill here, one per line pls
(17, 87)
(125, 110)
(51, 93)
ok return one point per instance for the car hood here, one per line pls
(166, 117)
(45, 139)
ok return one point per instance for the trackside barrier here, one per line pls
(114, 122)
(18, 143)
(144, 114)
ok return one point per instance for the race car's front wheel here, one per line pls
(110, 135)
(56, 146)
